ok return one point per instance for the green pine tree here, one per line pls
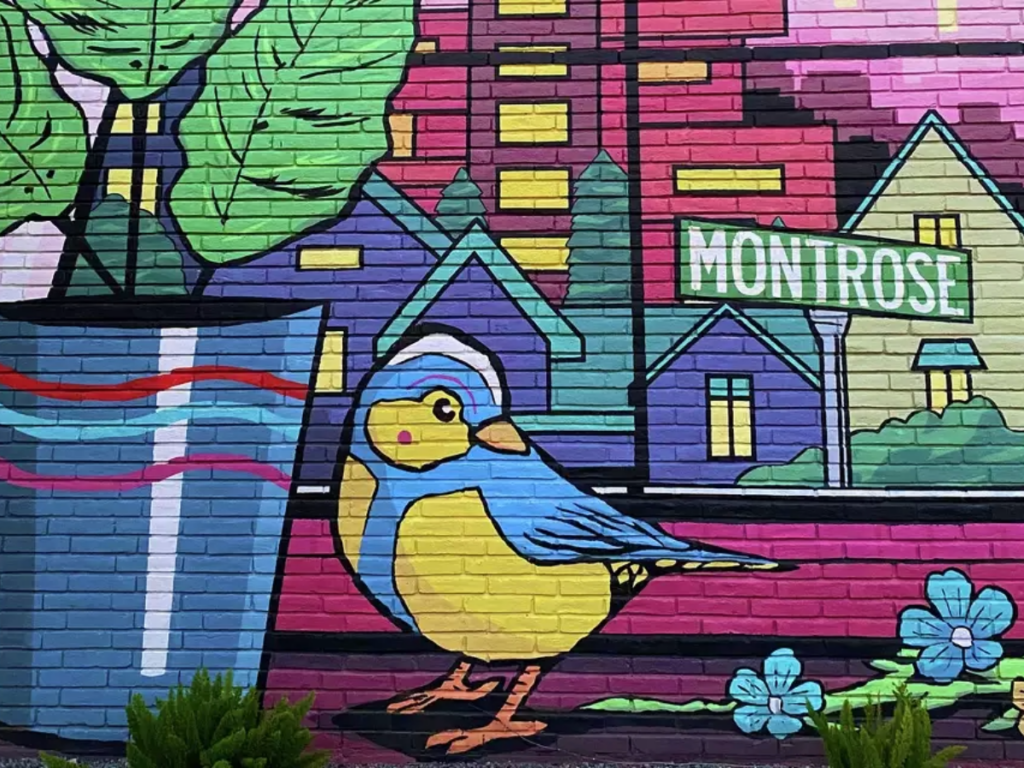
(460, 204)
(599, 248)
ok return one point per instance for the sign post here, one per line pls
(831, 276)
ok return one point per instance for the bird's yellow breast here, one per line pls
(358, 487)
(471, 593)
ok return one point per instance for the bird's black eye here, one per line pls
(443, 410)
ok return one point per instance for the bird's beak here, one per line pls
(502, 436)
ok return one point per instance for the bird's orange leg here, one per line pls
(452, 688)
(502, 726)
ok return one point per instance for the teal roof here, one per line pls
(600, 382)
(564, 422)
(564, 341)
(933, 121)
(946, 354)
(392, 201)
(710, 319)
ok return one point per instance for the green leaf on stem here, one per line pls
(42, 132)
(139, 46)
(290, 116)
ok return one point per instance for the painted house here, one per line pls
(384, 269)
(734, 390)
(935, 193)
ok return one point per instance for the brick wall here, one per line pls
(531, 379)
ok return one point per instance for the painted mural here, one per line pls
(531, 379)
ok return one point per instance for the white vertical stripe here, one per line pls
(177, 350)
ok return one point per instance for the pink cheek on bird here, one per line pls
(404, 437)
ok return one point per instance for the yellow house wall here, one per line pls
(881, 351)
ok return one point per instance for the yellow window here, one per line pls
(317, 257)
(123, 118)
(943, 231)
(330, 374)
(531, 7)
(533, 123)
(538, 253)
(673, 72)
(730, 417)
(950, 386)
(728, 179)
(400, 124)
(533, 70)
(426, 46)
(119, 182)
(534, 190)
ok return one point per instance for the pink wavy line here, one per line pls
(227, 462)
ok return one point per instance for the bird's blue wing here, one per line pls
(548, 520)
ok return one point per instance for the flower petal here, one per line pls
(942, 662)
(781, 669)
(990, 614)
(781, 726)
(809, 692)
(750, 718)
(748, 688)
(983, 654)
(950, 593)
(920, 628)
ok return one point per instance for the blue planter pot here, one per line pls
(146, 453)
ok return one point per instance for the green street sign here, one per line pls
(855, 274)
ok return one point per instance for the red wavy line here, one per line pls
(136, 389)
(154, 473)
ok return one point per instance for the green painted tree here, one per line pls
(599, 248)
(460, 204)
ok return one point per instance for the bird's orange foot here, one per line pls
(452, 688)
(460, 741)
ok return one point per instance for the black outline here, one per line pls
(728, 167)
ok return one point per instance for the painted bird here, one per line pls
(453, 522)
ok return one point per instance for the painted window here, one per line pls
(402, 125)
(533, 123)
(727, 179)
(533, 70)
(322, 257)
(538, 253)
(119, 182)
(534, 189)
(426, 45)
(330, 375)
(532, 7)
(942, 230)
(730, 417)
(123, 118)
(673, 72)
(950, 386)
(947, 366)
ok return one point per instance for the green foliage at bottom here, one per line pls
(905, 741)
(217, 725)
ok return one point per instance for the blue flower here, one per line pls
(958, 630)
(774, 699)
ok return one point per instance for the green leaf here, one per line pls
(42, 133)
(139, 46)
(1004, 722)
(290, 116)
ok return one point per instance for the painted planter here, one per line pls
(146, 455)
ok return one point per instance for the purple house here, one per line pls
(727, 396)
(385, 269)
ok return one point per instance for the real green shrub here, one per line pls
(904, 741)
